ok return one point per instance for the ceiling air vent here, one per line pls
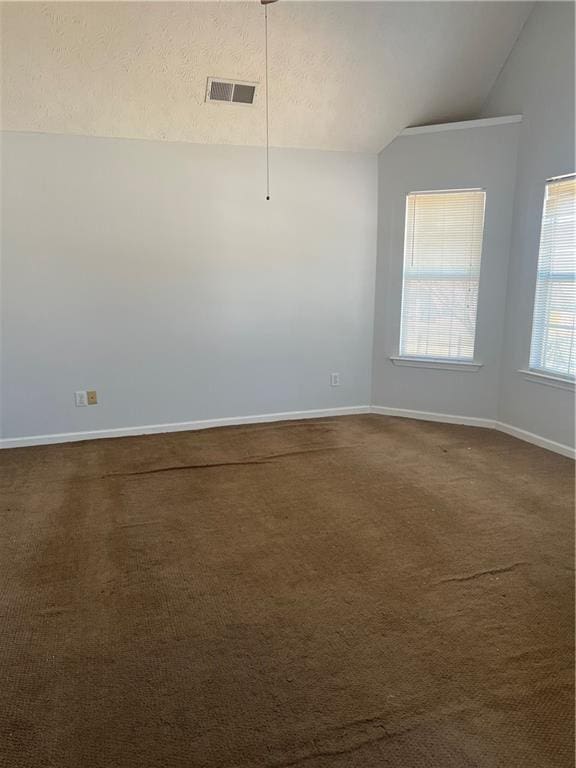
(230, 91)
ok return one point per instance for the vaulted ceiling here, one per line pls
(343, 75)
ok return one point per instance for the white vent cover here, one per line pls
(230, 91)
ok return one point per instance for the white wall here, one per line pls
(475, 157)
(538, 81)
(157, 274)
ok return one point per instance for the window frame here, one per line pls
(466, 364)
(541, 375)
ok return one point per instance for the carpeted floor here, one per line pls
(360, 592)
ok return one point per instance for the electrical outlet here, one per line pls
(334, 379)
(80, 398)
(92, 397)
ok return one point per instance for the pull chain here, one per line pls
(266, 3)
(267, 107)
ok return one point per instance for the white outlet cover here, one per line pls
(81, 398)
(334, 379)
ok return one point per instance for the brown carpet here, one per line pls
(360, 592)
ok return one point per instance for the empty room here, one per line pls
(287, 364)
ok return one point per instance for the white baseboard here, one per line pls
(530, 437)
(473, 421)
(184, 426)
(181, 426)
(445, 418)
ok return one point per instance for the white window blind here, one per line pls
(442, 251)
(553, 334)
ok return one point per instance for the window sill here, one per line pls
(548, 379)
(442, 365)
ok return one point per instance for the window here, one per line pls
(552, 350)
(442, 250)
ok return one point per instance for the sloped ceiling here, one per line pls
(343, 75)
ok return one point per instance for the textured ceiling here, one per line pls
(343, 75)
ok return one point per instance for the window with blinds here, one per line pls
(442, 251)
(553, 327)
